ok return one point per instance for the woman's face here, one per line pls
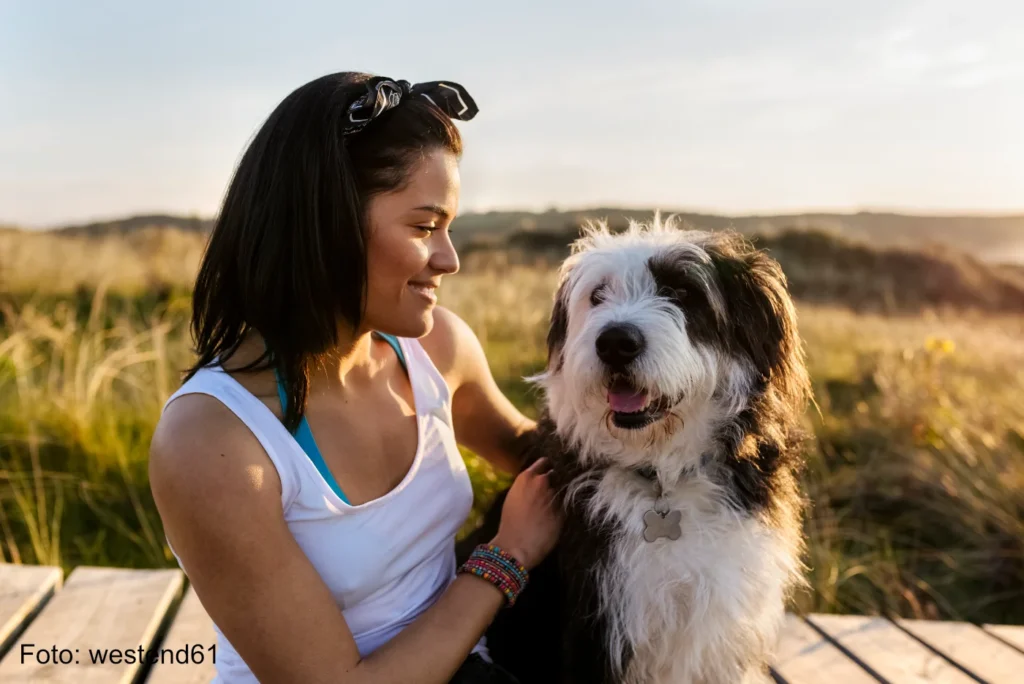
(409, 249)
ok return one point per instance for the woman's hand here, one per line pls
(530, 521)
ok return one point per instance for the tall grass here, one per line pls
(146, 260)
(916, 467)
(79, 398)
(916, 474)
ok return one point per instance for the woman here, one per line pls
(307, 472)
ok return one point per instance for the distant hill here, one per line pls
(191, 224)
(905, 273)
(992, 238)
(828, 267)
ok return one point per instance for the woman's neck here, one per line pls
(350, 365)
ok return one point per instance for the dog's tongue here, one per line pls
(622, 398)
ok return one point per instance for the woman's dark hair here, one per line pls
(287, 256)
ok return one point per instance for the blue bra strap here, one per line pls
(304, 436)
(393, 341)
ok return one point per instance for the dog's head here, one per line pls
(658, 336)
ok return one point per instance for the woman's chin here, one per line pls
(424, 325)
(416, 324)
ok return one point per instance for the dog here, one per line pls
(674, 389)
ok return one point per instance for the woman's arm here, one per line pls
(485, 420)
(219, 497)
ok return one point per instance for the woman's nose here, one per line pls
(444, 258)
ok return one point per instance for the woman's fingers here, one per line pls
(540, 465)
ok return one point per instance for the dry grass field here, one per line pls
(915, 470)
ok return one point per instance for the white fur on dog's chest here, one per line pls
(685, 607)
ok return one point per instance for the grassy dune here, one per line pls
(916, 468)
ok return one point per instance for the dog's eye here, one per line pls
(597, 296)
(668, 292)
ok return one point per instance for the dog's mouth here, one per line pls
(632, 407)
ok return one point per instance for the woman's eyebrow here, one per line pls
(435, 208)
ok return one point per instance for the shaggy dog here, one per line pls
(674, 387)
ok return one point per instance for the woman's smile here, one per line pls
(425, 290)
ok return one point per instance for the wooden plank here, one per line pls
(1011, 634)
(24, 589)
(190, 639)
(97, 611)
(805, 657)
(888, 650)
(970, 647)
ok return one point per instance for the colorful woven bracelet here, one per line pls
(506, 582)
(491, 563)
(506, 559)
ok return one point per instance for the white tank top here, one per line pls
(387, 560)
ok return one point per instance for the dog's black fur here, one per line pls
(553, 634)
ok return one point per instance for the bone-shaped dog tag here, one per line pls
(658, 525)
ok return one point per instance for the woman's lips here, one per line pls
(425, 291)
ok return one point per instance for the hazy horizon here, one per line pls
(665, 211)
(725, 107)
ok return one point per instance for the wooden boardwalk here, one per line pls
(53, 630)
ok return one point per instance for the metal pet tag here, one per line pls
(661, 522)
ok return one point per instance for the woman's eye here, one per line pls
(429, 229)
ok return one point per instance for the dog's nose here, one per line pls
(619, 344)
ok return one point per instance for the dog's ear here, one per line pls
(760, 321)
(559, 327)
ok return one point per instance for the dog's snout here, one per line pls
(619, 344)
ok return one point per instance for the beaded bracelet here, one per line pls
(498, 567)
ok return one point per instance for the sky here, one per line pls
(727, 106)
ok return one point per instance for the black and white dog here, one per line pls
(674, 388)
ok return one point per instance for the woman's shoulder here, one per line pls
(200, 444)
